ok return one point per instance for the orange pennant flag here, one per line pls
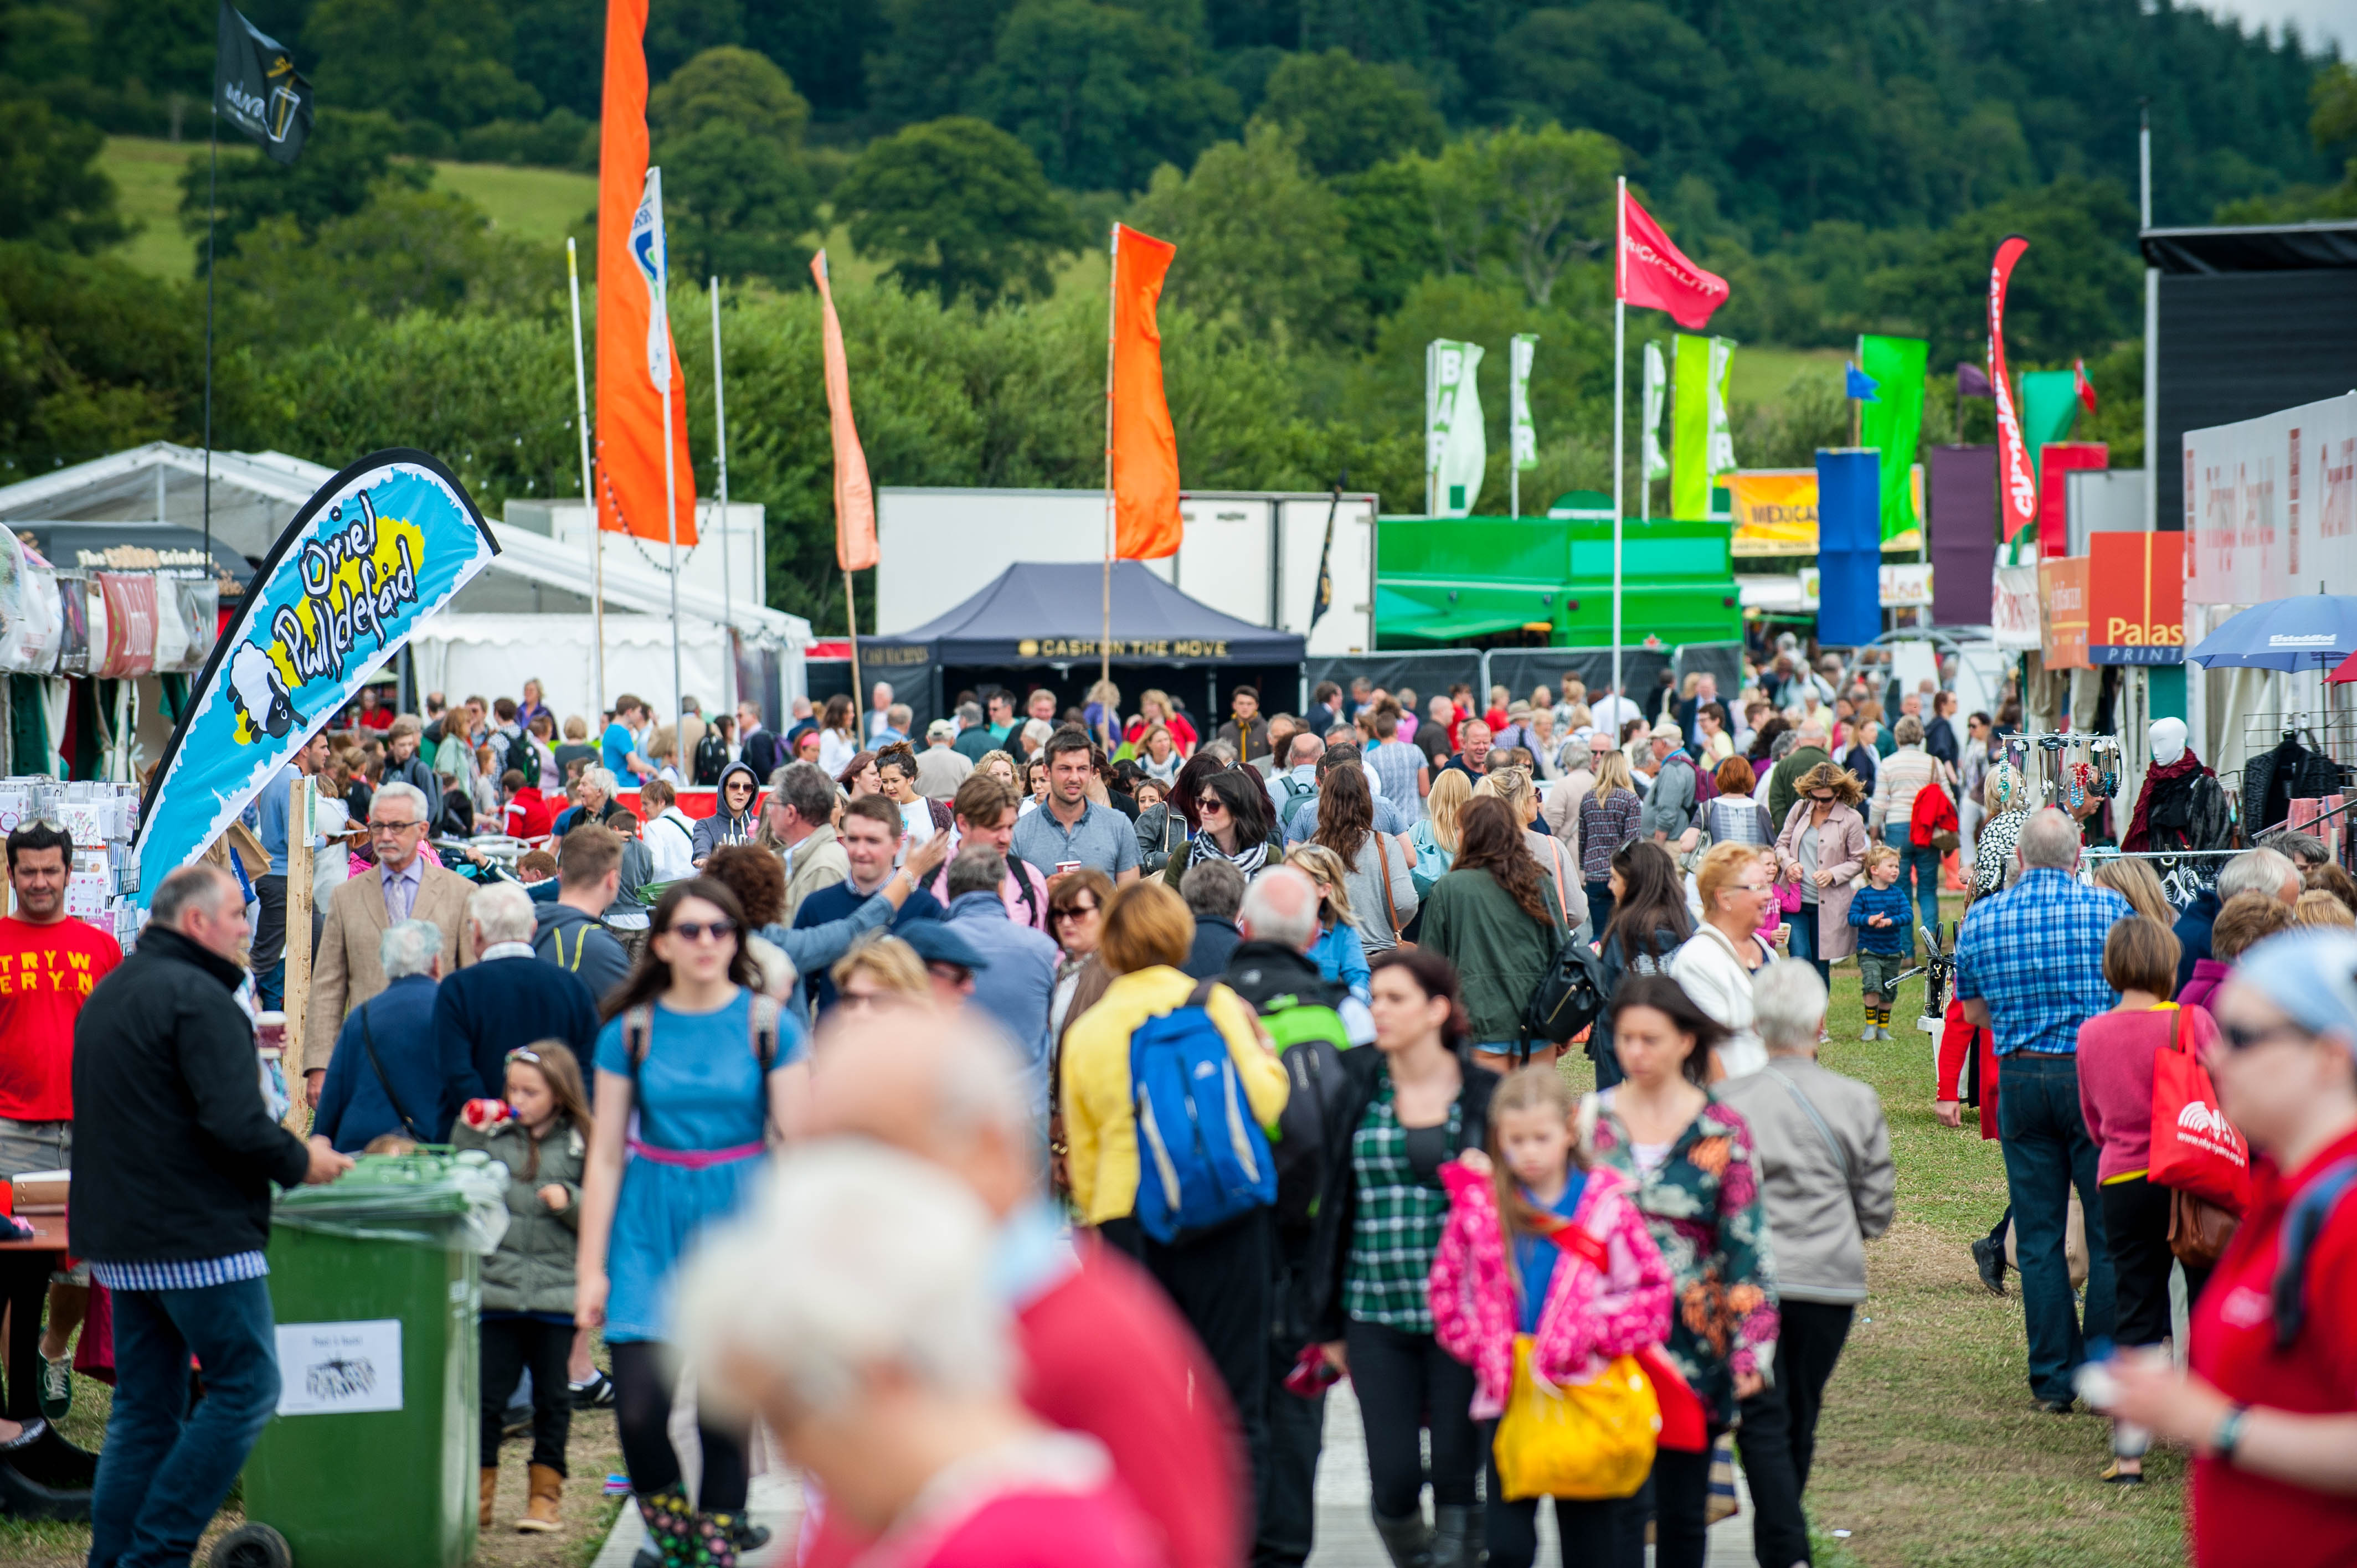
(1142, 450)
(854, 497)
(630, 408)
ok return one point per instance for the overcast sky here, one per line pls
(2320, 20)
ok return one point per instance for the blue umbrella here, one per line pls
(2309, 632)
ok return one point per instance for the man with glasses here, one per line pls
(2030, 967)
(348, 970)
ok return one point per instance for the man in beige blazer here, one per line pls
(801, 819)
(347, 970)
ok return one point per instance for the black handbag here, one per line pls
(1569, 996)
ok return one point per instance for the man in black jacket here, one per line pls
(174, 1157)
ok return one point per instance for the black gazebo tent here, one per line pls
(1038, 624)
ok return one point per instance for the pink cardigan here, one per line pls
(1588, 1319)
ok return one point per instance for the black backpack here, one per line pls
(1568, 997)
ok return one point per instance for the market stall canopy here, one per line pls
(1050, 613)
(2307, 631)
(133, 547)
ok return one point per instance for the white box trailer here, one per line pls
(1250, 553)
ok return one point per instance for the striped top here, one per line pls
(185, 1274)
(1901, 774)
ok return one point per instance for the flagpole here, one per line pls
(1644, 448)
(589, 484)
(671, 500)
(213, 210)
(851, 629)
(720, 436)
(1620, 393)
(1112, 281)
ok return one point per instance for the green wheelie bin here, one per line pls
(370, 1460)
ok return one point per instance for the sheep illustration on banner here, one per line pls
(382, 546)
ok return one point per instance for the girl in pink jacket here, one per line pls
(1498, 1276)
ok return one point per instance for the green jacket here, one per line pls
(1785, 781)
(1499, 950)
(533, 1269)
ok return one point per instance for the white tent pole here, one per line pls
(588, 488)
(720, 435)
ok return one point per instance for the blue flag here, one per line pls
(382, 546)
(1860, 385)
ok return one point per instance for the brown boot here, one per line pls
(547, 1493)
(489, 1477)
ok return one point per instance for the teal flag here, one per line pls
(1892, 422)
(2050, 405)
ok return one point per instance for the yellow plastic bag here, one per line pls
(1585, 1440)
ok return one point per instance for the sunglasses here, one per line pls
(701, 930)
(2240, 1038)
(1072, 913)
(1209, 806)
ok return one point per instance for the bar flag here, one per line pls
(629, 475)
(1143, 453)
(257, 89)
(855, 497)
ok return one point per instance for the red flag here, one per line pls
(629, 409)
(2086, 388)
(1656, 274)
(2017, 487)
(1142, 450)
(854, 497)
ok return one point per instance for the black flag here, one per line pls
(257, 89)
(1325, 600)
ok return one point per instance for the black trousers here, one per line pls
(270, 940)
(2136, 1233)
(642, 1385)
(1221, 1283)
(1779, 1435)
(1285, 1487)
(511, 1346)
(1677, 1496)
(1407, 1385)
(1610, 1533)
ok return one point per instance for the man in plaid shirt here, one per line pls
(1397, 768)
(2029, 967)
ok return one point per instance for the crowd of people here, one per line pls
(1026, 1128)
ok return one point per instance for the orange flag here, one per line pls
(630, 408)
(1142, 450)
(854, 497)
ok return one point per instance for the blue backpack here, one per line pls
(1201, 1159)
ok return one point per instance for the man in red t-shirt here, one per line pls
(1105, 1353)
(49, 962)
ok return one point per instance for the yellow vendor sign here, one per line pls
(1775, 511)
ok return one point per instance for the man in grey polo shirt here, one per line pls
(1071, 829)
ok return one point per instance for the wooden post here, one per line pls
(297, 992)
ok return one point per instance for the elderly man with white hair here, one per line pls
(2266, 871)
(1826, 1177)
(347, 970)
(2030, 967)
(509, 997)
(386, 1075)
(857, 1309)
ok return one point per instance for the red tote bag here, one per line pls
(2194, 1148)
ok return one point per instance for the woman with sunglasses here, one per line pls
(705, 1065)
(1234, 824)
(1163, 828)
(1823, 849)
(2269, 1402)
(735, 815)
(540, 1132)
(1076, 919)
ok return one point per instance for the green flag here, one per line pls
(1524, 434)
(1720, 446)
(1690, 428)
(1456, 447)
(2050, 405)
(1657, 388)
(1893, 422)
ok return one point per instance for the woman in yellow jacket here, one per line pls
(1220, 1281)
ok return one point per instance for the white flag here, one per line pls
(1524, 434)
(1720, 443)
(1456, 449)
(1657, 381)
(648, 250)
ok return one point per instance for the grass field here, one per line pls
(1760, 374)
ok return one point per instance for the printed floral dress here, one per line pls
(1701, 1205)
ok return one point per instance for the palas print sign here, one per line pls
(382, 546)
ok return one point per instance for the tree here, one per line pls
(1534, 199)
(93, 357)
(1349, 116)
(743, 204)
(349, 156)
(441, 61)
(1100, 93)
(935, 51)
(1387, 224)
(825, 39)
(1627, 68)
(52, 189)
(1259, 240)
(960, 207)
(734, 85)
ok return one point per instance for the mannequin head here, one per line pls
(2168, 737)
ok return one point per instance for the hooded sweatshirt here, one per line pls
(721, 827)
(575, 940)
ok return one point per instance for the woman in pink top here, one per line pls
(2116, 1050)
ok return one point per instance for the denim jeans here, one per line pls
(2048, 1153)
(1808, 942)
(165, 1469)
(1922, 863)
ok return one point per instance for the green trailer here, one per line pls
(1446, 580)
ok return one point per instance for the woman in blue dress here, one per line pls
(703, 1059)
